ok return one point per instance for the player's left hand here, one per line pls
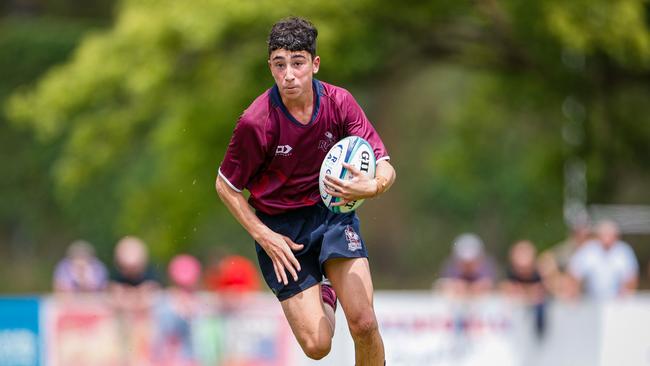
(356, 187)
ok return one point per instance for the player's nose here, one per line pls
(288, 76)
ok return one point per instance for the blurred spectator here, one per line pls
(80, 270)
(234, 278)
(134, 285)
(524, 283)
(176, 311)
(232, 273)
(469, 271)
(134, 280)
(648, 273)
(554, 262)
(605, 267)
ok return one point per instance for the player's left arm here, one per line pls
(361, 186)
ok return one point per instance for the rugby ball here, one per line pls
(355, 151)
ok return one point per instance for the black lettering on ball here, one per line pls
(365, 161)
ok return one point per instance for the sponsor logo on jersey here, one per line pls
(283, 150)
(354, 241)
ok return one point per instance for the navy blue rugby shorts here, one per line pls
(324, 234)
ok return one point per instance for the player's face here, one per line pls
(293, 72)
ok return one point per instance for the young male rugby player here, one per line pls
(275, 153)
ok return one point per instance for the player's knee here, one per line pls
(363, 325)
(317, 350)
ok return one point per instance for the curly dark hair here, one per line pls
(293, 34)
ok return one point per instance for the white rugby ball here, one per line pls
(355, 151)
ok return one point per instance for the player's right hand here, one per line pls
(279, 248)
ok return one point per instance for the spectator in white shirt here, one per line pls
(605, 267)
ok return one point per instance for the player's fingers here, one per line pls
(353, 169)
(333, 193)
(336, 184)
(277, 271)
(333, 181)
(329, 186)
(294, 262)
(278, 263)
(294, 246)
(288, 265)
(283, 272)
(342, 202)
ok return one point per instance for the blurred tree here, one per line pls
(95, 9)
(481, 103)
(31, 222)
(145, 111)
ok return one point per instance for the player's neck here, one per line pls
(301, 108)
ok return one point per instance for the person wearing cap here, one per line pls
(469, 271)
(80, 270)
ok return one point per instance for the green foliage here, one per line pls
(31, 223)
(145, 110)
(616, 28)
(480, 104)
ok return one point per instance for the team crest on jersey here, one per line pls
(354, 241)
(327, 142)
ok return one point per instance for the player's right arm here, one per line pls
(278, 247)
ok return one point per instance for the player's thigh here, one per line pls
(352, 282)
(306, 316)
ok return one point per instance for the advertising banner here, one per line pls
(20, 343)
(429, 331)
(82, 333)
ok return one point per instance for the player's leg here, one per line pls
(352, 282)
(311, 321)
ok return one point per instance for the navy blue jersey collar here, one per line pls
(276, 99)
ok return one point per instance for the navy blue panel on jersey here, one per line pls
(324, 234)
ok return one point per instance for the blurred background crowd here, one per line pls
(592, 263)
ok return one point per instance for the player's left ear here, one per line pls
(316, 63)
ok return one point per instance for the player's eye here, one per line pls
(279, 66)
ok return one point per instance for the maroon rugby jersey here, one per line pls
(278, 159)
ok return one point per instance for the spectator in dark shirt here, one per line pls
(524, 283)
(134, 281)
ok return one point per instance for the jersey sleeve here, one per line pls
(358, 124)
(245, 154)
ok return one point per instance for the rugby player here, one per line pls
(275, 153)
